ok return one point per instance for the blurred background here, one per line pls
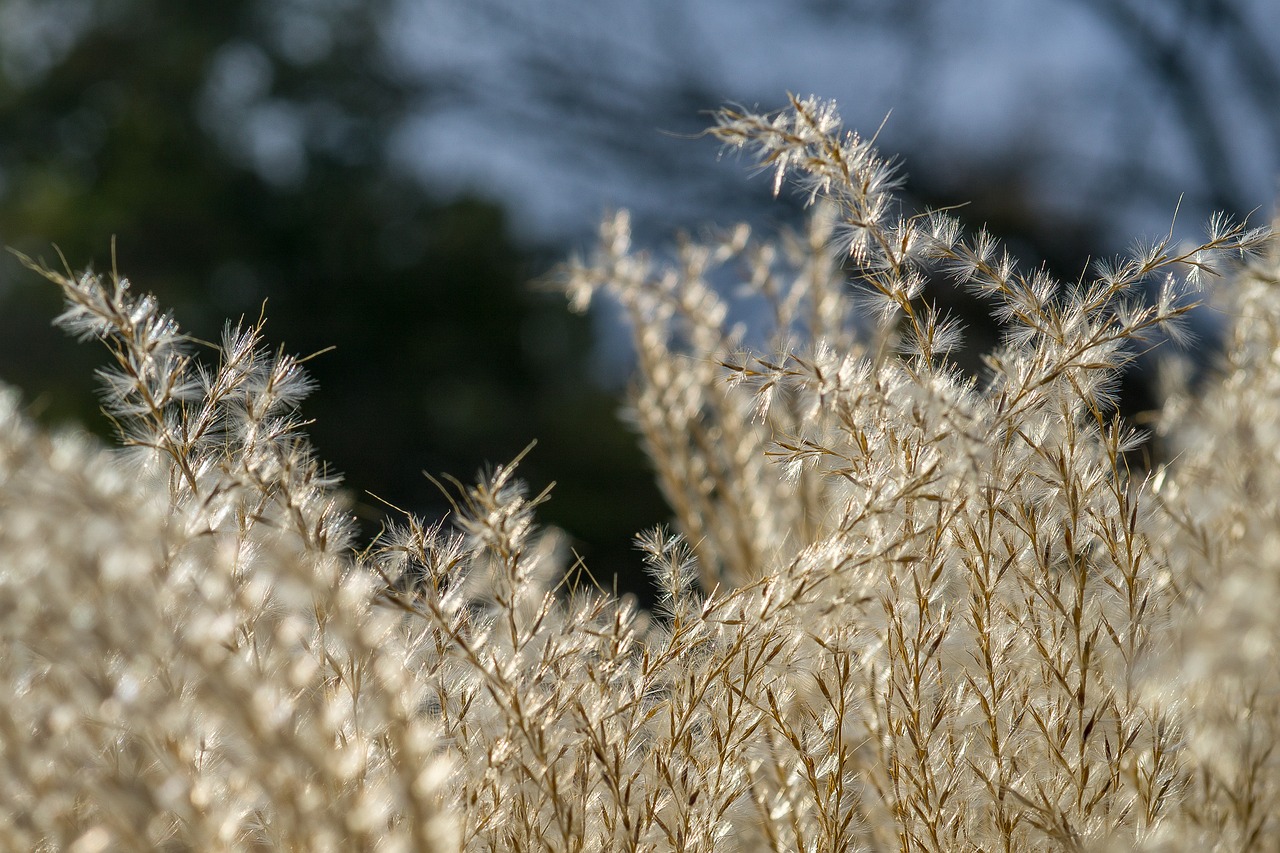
(388, 175)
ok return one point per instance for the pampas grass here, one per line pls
(902, 608)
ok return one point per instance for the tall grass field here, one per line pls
(904, 607)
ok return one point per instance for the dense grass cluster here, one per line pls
(903, 608)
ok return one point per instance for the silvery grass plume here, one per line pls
(191, 658)
(901, 608)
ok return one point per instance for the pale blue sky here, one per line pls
(557, 107)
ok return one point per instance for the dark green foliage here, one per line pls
(444, 359)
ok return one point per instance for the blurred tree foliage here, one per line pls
(237, 152)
